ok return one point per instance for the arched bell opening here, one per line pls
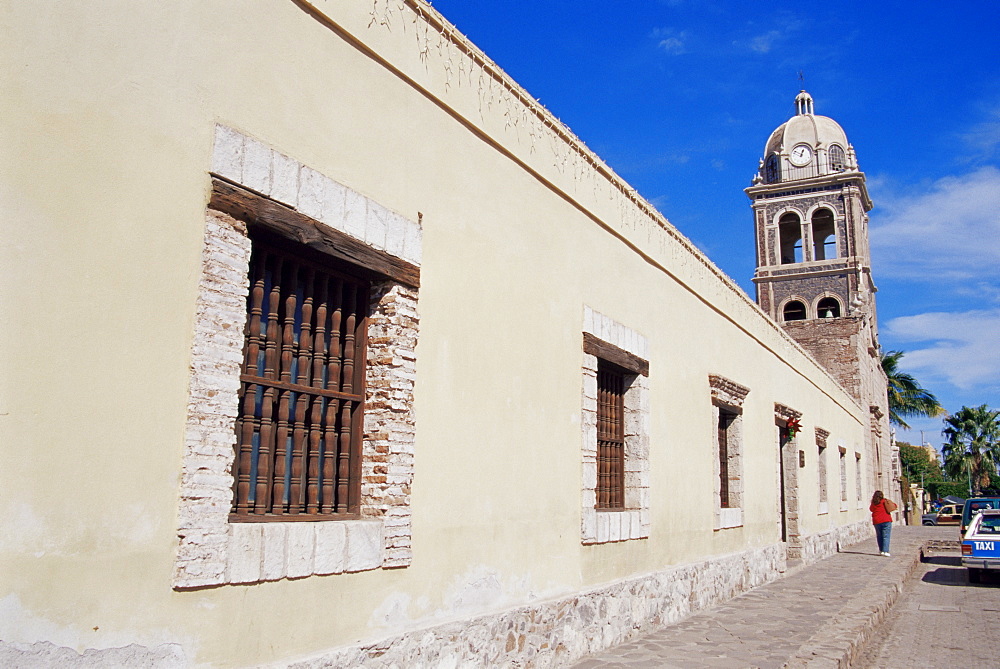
(794, 311)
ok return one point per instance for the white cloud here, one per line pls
(961, 348)
(948, 231)
(984, 138)
(671, 41)
(672, 45)
(764, 43)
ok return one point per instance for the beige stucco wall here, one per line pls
(109, 111)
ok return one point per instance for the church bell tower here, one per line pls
(810, 206)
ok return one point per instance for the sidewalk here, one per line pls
(818, 616)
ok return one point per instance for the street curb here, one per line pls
(839, 642)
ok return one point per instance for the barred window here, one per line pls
(300, 422)
(726, 422)
(611, 388)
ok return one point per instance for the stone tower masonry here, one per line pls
(810, 205)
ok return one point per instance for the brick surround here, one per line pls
(213, 551)
(599, 527)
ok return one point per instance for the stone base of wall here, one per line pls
(817, 546)
(555, 632)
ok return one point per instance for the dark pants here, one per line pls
(882, 531)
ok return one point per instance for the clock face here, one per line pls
(800, 155)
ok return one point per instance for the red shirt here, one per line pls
(879, 514)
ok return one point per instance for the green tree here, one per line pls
(939, 489)
(918, 467)
(973, 448)
(907, 398)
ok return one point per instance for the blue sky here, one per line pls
(679, 96)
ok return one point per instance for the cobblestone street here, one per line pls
(940, 621)
(821, 615)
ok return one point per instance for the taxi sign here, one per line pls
(980, 548)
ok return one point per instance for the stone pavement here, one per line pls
(941, 621)
(817, 616)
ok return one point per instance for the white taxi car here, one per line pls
(981, 544)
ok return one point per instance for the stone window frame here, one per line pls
(790, 443)
(728, 396)
(821, 470)
(605, 338)
(781, 246)
(843, 476)
(858, 478)
(837, 220)
(806, 304)
(213, 551)
(825, 295)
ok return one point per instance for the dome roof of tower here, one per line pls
(806, 128)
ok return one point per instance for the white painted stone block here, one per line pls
(590, 475)
(301, 546)
(356, 213)
(614, 525)
(413, 243)
(730, 518)
(331, 547)
(603, 527)
(376, 225)
(588, 319)
(256, 166)
(588, 524)
(321, 197)
(284, 179)
(364, 545)
(227, 154)
(244, 553)
(395, 235)
(274, 562)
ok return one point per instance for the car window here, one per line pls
(990, 525)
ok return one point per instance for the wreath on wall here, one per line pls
(793, 426)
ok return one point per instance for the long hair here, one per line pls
(877, 497)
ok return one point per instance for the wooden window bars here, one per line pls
(300, 422)
(611, 389)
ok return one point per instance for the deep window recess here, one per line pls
(299, 429)
(824, 238)
(726, 420)
(843, 474)
(790, 233)
(794, 311)
(828, 307)
(611, 388)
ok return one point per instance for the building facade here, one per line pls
(330, 346)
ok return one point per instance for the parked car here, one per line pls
(981, 544)
(973, 506)
(949, 514)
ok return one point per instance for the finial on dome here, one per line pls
(803, 103)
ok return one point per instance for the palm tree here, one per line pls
(907, 398)
(973, 448)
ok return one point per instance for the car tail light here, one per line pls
(966, 549)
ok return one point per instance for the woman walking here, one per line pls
(881, 509)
